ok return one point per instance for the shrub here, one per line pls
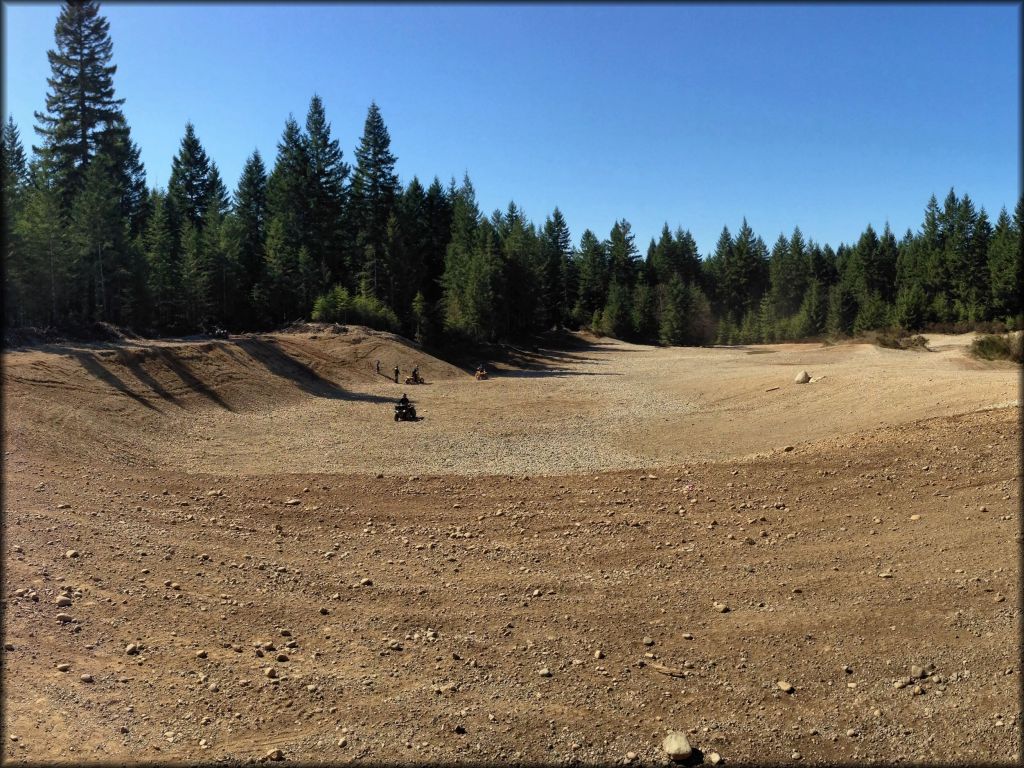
(995, 347)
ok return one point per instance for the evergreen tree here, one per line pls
(1003, 262)
(98, 234)
(327, 174)
(14, 170)
(249, 226)
(164, 282)
(37, 278)
(556, 248)
(673, 327)
(372, 196)
(82, 116)
(593, 278)
(189, 188)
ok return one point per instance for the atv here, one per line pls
(405, 412)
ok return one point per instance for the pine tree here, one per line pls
(593, 278)
(38, 274)
(372, 197)
(1003, 262)
(459, 254)
(14, 170)
(164, 282)
(673, 326)
(249, 227)
(98, 235)
(189, 185)
(556, 247)
(82, 116)
(327, 174)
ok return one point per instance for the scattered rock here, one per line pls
(366, 582)
(132, 649)
(598, 654)
(63, 601)
(64, 667)
(676, 746)
(714, 758)
(720, 607)
(785, 686)
(86, 678)
(274, 754)
(64, 618)
(292, 503)
(802, 378)
(648, 641)
(545, 672)
(201, 654)
(72, 553)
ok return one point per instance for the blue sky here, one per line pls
(824, 116)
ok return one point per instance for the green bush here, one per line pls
(996, 347)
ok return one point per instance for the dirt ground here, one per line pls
(214, 550)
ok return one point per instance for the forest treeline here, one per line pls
(313, 236)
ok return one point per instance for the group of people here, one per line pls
(397, 373)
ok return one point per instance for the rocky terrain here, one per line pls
(228, 551)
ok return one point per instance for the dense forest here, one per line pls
(314, 236)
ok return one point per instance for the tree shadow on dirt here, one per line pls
(270, 354)
(96, 368)
(184, 373)
(134, 366)
(559, 373)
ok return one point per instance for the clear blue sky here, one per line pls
(827, 116)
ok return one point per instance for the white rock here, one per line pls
(802, 378)
(677, 746)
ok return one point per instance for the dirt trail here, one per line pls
(584, 517)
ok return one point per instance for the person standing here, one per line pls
(396, 374)
(378, 367)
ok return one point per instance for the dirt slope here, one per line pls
(229, 508)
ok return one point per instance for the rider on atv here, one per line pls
(404, 402)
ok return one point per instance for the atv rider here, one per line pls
(404, 402)
(416, 374)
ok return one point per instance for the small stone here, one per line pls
(8, 646)
(342, 741)
(131, 649)
(270, 672)
(282, 657)
(72, 553)
(201, 654)
(64, 618)
(213, 687)
(714, 758)
(598, 654)
(545, 672)
(63, 667)
(802, 378)
(720, 607)
(648, 641)
(86, 678)
(63, 601)
(366, 582)
(676, 746)
(459, 729)
(851, 732)
(915, 517)
(292, 502)
(630, 757)
(916, 671)
(785, 686)
(324, 611)
(275, 754)
(687, 636)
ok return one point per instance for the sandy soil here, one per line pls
(587, 517)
